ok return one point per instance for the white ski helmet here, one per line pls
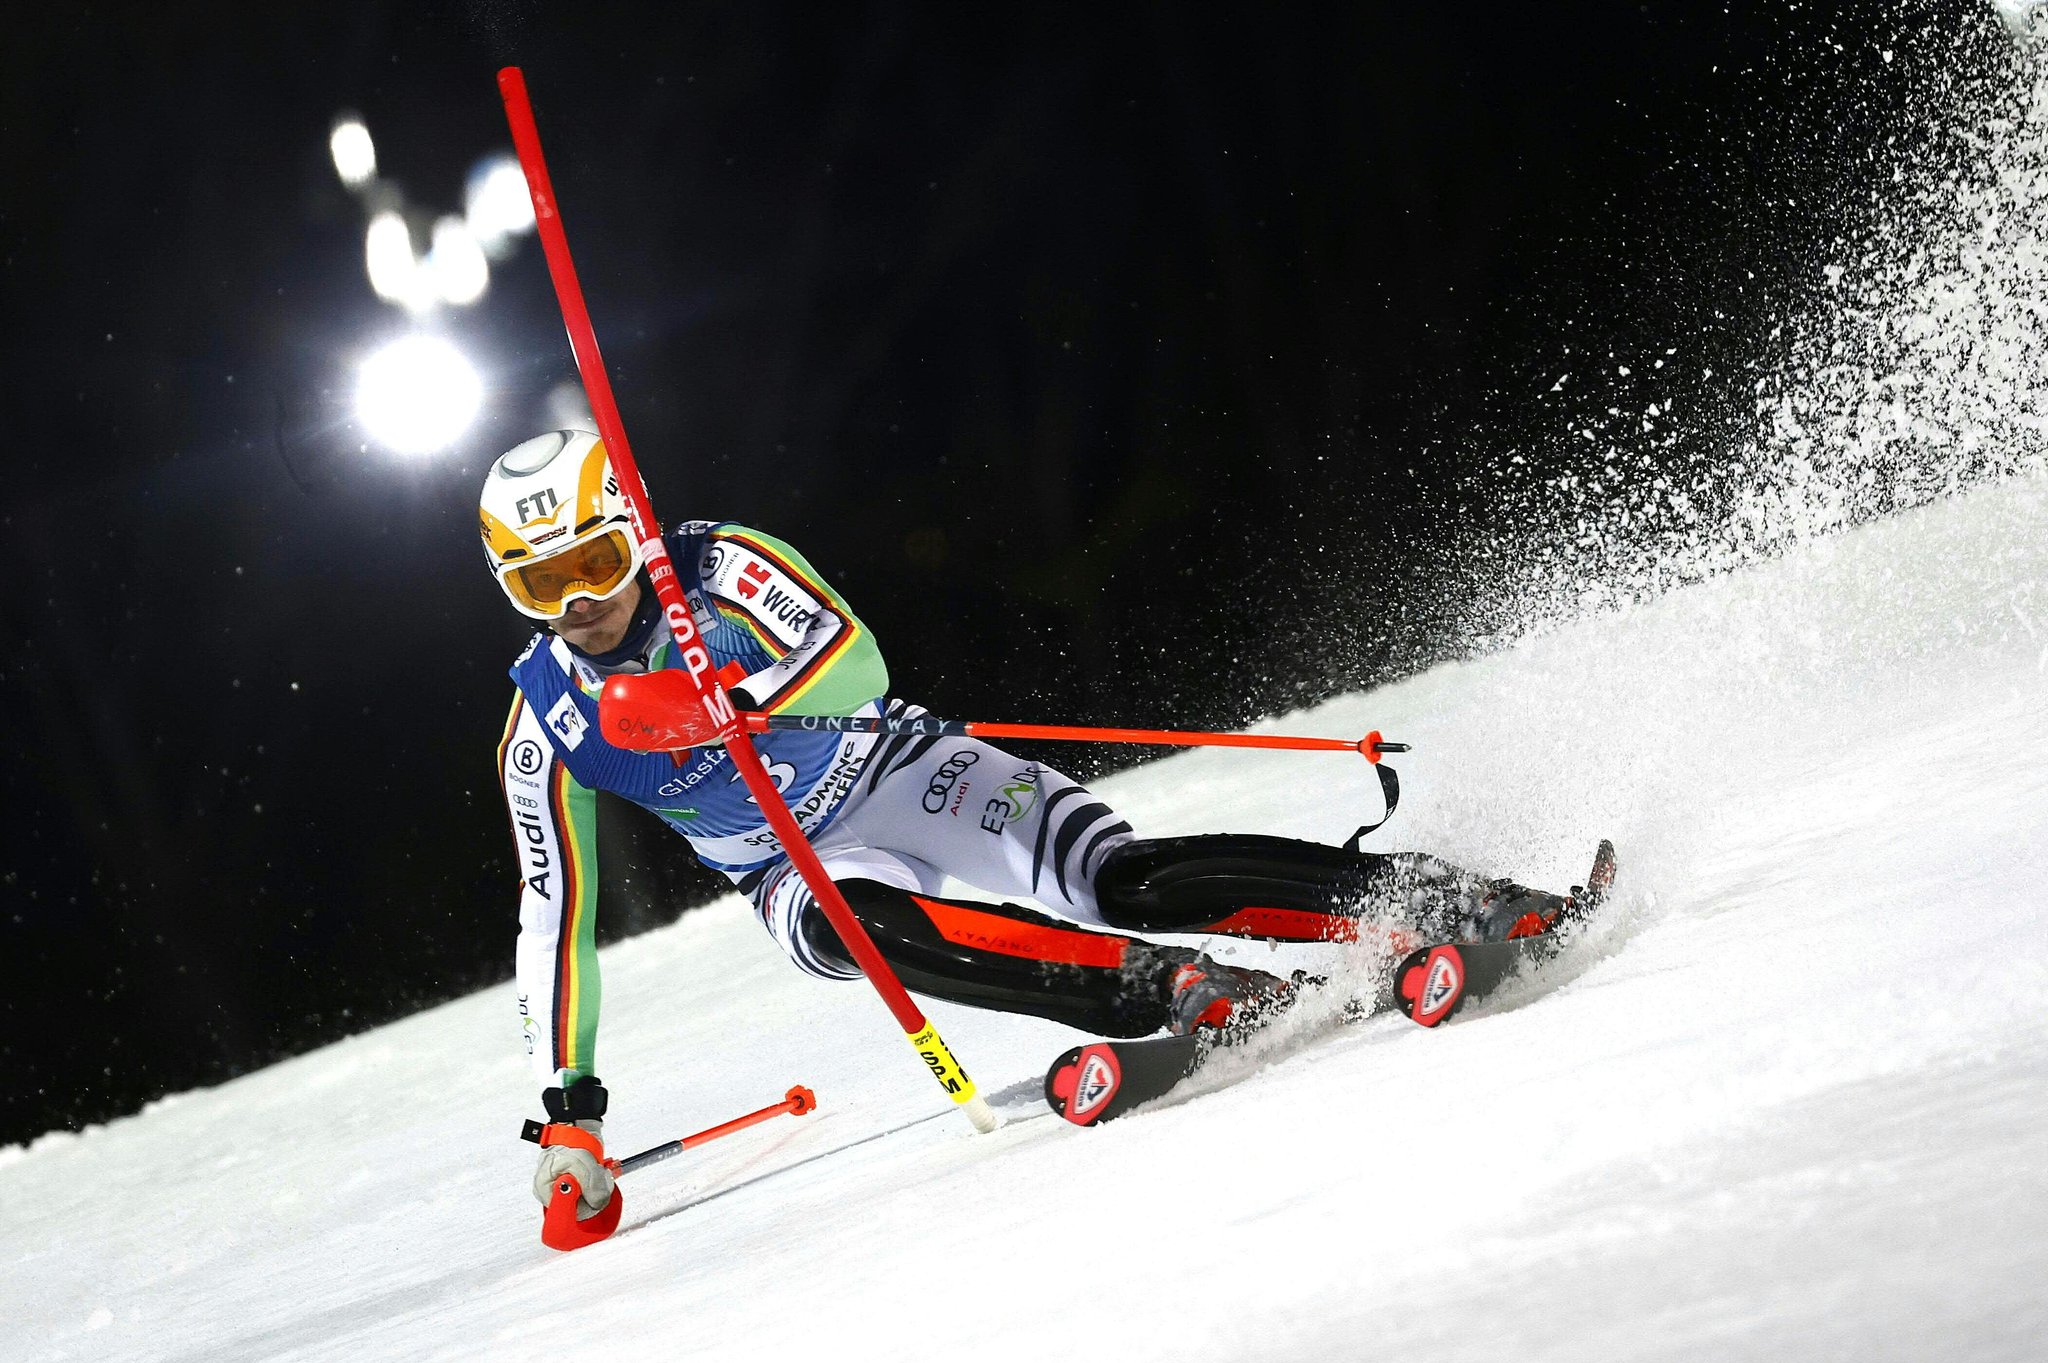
(555, 524)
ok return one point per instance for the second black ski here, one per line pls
(1098, 1082)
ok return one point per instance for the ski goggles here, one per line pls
(596, 568)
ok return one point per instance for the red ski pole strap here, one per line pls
(561, 1133)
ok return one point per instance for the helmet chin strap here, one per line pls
(638, 639)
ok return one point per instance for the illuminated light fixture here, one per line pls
(355, 155)
(496, 205)
(455, 263)
(456, 267)
(417, 394)
(395, 271)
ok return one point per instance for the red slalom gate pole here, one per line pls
(690, 650)
(1372, 747)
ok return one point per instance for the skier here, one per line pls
(890, 817)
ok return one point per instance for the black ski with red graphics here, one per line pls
(1432, 983)
(1102, 1080)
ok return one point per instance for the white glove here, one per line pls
(586, 1167)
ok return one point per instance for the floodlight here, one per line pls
(355, 155)
(417, 394)
(455, 263)
(496, 204)
(394, 270)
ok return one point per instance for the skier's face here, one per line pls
(598, 626)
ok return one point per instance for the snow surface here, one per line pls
(1788, 1098)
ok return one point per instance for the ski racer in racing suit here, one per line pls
(889, 816)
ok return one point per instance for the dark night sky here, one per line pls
(1121, 365)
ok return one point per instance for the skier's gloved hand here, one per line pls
(581, 1106)
(654, 712)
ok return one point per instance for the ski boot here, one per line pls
(1201, 993)
(1508, 911)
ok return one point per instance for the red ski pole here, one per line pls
(1372, 746)
(696, 658)
(559, 1228)
(796, 1103)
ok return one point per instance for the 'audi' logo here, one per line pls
(942, 780)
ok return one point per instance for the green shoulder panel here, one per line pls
(850, 672)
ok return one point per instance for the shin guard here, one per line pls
(1008, 958)
(1282, 889)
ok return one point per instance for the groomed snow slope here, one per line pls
(1788, 1100)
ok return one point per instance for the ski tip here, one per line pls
(1600, 879)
